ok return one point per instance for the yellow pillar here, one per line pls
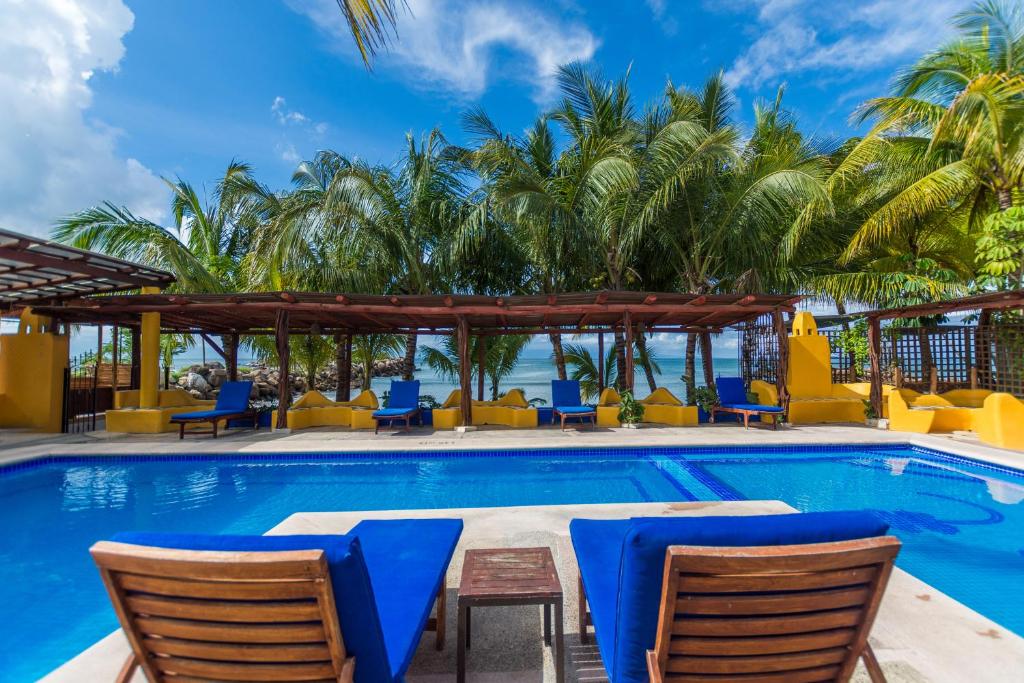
(149, 372)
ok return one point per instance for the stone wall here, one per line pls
(203, 381)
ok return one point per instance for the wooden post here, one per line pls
(136, 358)
(708, 361)
(933, 380)
(875, 358)
(115, 343)
(284, 392)
(481, 363)
(465, 370)
(343, 361)
(897, 377)
(627, 323)
(99, 345)
(600, 362)
(231, 356)
(974, 378)
(783, 366)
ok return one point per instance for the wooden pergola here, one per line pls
(985, 303)
(346, 315)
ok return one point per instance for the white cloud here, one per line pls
(284, 115)
(296, 122)
(54, 160)
(836, 38)
(451, 45)
(668, 23)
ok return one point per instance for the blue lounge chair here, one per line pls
(732, 398)
(232, 403)
(403, 404)
(638, 600)
(566, 403)
(280, 607)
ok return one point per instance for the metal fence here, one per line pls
(79, 407)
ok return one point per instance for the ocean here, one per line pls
(534, 371)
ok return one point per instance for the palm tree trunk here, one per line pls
(926, 354)
(556, 348)
(1005, 197)
(409, 362)
(690, 368)
(854, 370)
(620, 360)
(641, 343)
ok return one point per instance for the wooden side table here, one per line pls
(511, 576)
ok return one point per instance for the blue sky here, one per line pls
(107, 96)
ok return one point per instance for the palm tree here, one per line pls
(369, 348)
(370, 23)
(501, 354)
(206, 242)
(585, 370)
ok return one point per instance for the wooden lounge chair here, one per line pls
(279, 608)
(785, 613)
(232, 403)
(752, 598)
(403, 404)
(565, 399)
(732, 398)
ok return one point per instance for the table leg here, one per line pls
(463, 637)
(547, 623)
(558, 651)
(469, 627)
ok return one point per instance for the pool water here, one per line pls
(962, 523)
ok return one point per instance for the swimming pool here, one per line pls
(962, 522)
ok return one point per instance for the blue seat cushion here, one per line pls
(731, 390)
(569, 410)
(234, 396)
(640, 569)
(393, 412)
(350, 580)
(206, 414)
(404, 394)
(752, 406)
(407, 561)
(565, 392)
(598, 547)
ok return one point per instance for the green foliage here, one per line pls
(1000, 249)
(630, 410)
(583, 368)
(501, 354)
(706, 398)
(428, 401)
(854, 341)
(869, 411)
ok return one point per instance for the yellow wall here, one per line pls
(32, 367)
(1001, 421)
(810, 363)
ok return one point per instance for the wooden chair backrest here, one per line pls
(772, 613)
(226, 616)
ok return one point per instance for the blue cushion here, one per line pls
(350, 579)
(752, 406)
(205, 414)
(598, 547)
(234, 396)
(569, 410)
(393, 412)
(640, 571)
(404, 394)
(407, 561)
(565, 393)
(731, 390)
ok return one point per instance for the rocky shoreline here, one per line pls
(204, 381)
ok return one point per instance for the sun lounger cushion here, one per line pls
(407, 560)
(204, 415)
(393, 412)
(565, 394)
(634, 576)
(753, 407)
(404, 394)
(232, 400)
(375, 568)
(569, 410)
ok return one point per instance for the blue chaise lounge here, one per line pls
(636, 603)
(732, 398)
(280, 607)
(566, 403)
(232, 403)
(403, 404)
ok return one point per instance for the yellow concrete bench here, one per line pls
(313, 409)
(511, 410)
(660, 407)
(128, 417)
(957, 410)
(1000, 422)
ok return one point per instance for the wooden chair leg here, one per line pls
(584, 636)
(875, 672)
(746, 420)
(215, 428)
(127, 669)
(376, 426)
(181, 430)
(442, 602)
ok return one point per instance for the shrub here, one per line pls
(630, 411)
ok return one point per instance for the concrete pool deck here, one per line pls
(921, 634)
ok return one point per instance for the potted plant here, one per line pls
(871, 418)
(264, 408)
(706, 398)
(631, 412)
(427, 405)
